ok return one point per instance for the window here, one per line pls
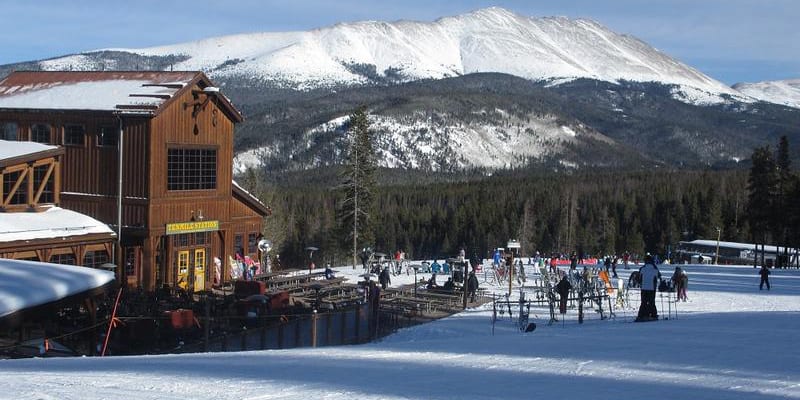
(65, 259)
(130, 261)
(74, 135)
(237, 245)
(94, 259)
(191, 169)
(8, 130)
(107, 137)
(38, 176)
(21, 195)
(252, 243)
(40, 133)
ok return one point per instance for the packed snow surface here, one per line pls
(729, 341)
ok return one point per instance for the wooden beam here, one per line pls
(14, 188)
(43, 184)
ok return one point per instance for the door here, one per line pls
(183, 269)
(199, 269)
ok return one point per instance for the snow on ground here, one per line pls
(730, 340)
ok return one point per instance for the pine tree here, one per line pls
(358, 184)
(780, 212)
(762, 185)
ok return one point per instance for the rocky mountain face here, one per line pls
(489, 89)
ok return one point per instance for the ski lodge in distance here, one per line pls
(171, 136)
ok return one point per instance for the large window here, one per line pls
(40, 133)
(107, 137)
(8, 130)
(74, 135)
(191, 169)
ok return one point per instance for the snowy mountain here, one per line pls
(487, 40)
(786, 92)
(488, 89)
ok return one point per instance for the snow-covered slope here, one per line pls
(785, 92)
(486, 40)
(438, 142)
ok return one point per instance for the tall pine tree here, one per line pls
(358, 184)
(762, 184)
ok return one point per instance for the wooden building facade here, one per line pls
(32, 226)
(172, 132)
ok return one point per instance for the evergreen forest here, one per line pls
(592, 212)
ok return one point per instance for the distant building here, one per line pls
(729, 252)
(172, 132)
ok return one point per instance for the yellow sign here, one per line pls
(190, 227)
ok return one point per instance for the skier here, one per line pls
(764, 272)
(385, 278)
(650, 278)
(472, 286)
(679, 281)
(562, 288)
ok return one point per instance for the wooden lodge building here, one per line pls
(164, 140)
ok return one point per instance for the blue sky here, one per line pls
(730, 40)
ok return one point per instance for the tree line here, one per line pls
(592, 212)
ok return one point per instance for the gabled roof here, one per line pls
(124, 92)
(13, 152)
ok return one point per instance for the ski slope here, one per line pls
(729, 341)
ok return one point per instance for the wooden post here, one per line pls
(314, 328)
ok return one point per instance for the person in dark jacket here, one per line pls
(764, 272)
(472, 286)
(562, 288)
(384, 278)
(650, 278)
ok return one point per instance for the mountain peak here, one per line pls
(491, 39)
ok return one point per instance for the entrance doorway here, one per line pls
(190, 255)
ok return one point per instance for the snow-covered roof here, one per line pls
(54, 222)
(731, 245)
(97, 91)
(25, 284)
(13, 148)
(252, 199)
